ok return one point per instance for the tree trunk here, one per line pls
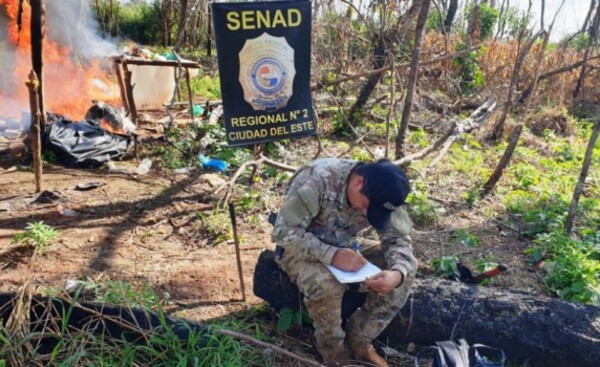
(372, 81)
(473, 28)
(498, 129)
(542, 52)
(581, 183)
(37, 37)
(593, 35)
(209, 33)
(452, 8)
(412, 78)
(181, 29)
(544, 331)
(508, 153)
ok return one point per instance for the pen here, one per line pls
(356, 248)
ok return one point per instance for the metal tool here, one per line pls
(467, 277)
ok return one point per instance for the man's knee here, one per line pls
(321, 285)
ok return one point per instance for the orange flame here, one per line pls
(68, 87)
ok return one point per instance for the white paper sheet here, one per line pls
(354, 276)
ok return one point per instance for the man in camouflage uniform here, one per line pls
(328, 202)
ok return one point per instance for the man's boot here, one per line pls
(364, 352)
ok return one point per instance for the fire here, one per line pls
(69, 86)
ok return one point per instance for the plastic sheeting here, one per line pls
(83, 144)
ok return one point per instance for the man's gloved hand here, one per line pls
(385, 281)
(348, 260)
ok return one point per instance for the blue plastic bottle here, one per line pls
(216, 164)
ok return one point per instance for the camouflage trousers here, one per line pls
(323, 299)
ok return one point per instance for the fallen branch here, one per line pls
(424, 152)
(471, 123)
(303, 360)
(356, 142)
(229, 184)
(281, 166)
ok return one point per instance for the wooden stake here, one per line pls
(131, 101)
(237, 249)
(117, 66)
(37, 36)
(190, 93)
(36, 141)
(129, 91)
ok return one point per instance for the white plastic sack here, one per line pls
(153, 86)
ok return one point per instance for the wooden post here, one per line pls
(131, 100)
(177, 87)
(37, 36)
(36, 144)
(190, 93)
(237, 249)
(129, 92)
(117, 66)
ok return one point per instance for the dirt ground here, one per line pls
(153, 228)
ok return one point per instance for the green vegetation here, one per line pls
(470, 74)
(573, 269)
(206, 87)
(138, 21)
(466, 238)
(421, 209)
(446, 266)
(536, 190)
(161, 346)
(289, 318)
(38, 235)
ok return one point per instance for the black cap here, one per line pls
(387, 187)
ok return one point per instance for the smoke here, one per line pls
(69, 26)
(7, 62)
(71, 23)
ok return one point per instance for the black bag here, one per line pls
(84, 144)
(460, 354)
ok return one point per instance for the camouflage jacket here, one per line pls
(316, 218)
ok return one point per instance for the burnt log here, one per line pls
(540, 330)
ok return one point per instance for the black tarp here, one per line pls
(83, 144)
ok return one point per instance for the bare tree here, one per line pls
(183, 16)
(452, 8)
(390, 32)
(582, 176)
(522, 52)
(542, 49)
(592, 41)
(413, 76)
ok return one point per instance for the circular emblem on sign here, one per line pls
(267, 72)
(268, 75)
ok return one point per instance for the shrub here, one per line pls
(574, 265)
(38, 235)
